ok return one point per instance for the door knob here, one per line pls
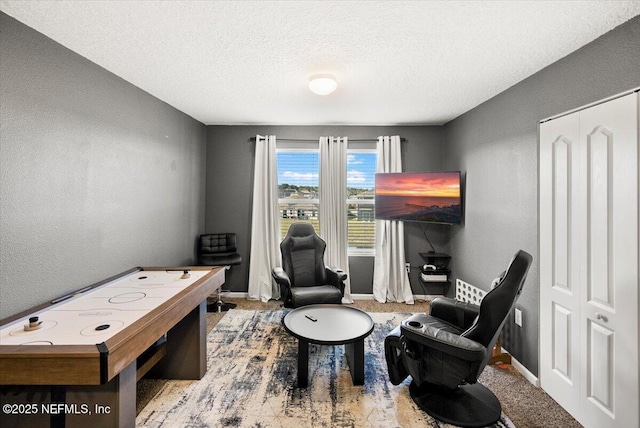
(601, 317)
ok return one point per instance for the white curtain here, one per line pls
(265, 222)
(390, 279)
(333, 209)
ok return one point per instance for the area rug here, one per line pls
(251, 382)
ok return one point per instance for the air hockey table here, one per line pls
(75, 361)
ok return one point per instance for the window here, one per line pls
(361, 169)
(298, 199)
(298, 187)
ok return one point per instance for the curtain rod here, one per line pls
(373, 140)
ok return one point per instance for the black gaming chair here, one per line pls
(219, 249)
(303, 278)
(445, 351)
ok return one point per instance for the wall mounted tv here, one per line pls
(433, 197)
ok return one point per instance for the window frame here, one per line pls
(299, 148)
(314, 148)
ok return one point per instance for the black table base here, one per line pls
(355, 359)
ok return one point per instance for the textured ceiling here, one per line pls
(397, 62)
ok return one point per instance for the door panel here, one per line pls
(599, 198)
(561, 182)
(588, 214)
(609, 307)
(562, 353)
(559, 370)
(601, 381)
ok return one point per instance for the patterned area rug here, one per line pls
(251, 382)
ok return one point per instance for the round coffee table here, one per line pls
(329, 325)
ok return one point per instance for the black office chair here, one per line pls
(445, 352)
(218, 249)
(303, 278)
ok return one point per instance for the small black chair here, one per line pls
(219, 249)
(445, 352)
(303, 278)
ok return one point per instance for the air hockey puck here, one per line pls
(102, 327)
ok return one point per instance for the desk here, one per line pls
(88, 349)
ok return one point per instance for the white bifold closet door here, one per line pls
(589, 262)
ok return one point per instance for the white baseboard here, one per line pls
(362, 296)
(525, 372)
(235, 294)
(428, 297)
(244, 295)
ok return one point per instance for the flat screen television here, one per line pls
(433, 197)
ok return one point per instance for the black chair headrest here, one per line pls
(498, 302)
(301, 229)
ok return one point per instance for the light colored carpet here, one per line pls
(251, 382)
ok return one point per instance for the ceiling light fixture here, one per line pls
(323, 84)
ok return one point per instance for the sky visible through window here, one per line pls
(301, 169)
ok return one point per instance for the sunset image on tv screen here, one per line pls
(419, 196)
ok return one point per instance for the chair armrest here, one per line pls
(336, 277)
(335, 274)
(443, 341)
(281, 276)
(454, 312)
(393, 355)
(282, 279)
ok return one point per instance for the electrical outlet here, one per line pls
(518, 317)
(407, 267)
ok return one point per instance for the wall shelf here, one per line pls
(441, 263)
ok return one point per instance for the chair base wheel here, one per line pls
(220, 306)
(470, 405)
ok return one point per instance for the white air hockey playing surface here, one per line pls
(96, 315)
(91, 346)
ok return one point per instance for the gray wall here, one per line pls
(230, 159)
(97, 176)
(496, 144)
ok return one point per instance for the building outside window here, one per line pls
(298, 199)
(298, 177)
(361, 169)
